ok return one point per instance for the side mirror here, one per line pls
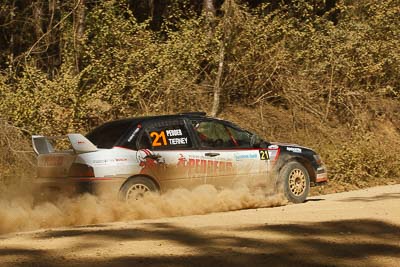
(263, 144)
(257, 142)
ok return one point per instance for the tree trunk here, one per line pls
(157, 9)
(221, 57)
(12, 44)
(37, 18)
(209, 8)
(210, 13)
(37, 11)
(79, 32)
(52, 41)
(217, 84)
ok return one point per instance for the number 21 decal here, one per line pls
(264, 155)
(156, 139)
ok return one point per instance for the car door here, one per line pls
(168, 153)
(230, 157)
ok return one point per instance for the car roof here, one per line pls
(137, 120)
(129, 124)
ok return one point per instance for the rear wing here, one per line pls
(80, 144)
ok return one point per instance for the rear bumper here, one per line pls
(70, 186)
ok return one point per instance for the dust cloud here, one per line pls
(21, 213)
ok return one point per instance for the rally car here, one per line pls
(130, 157)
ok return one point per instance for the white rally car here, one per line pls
(132, 156)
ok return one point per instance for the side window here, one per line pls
(144, 141)
(165, 136)
(241, 138)
(132, 136)
(213, 134)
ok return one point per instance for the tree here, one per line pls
(79, 33)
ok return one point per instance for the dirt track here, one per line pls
(359, 228)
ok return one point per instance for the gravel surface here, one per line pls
(357, 228)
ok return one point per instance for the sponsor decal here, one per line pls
(168, 137)
(149, 161)
(200, 165)
(264, 155)
(158, 138)
(177, 132)
(109, 161)
(143, 154)
(294, 149)
(184, 166)
(273, 147)
(245, 156)
(134, 133)
(100, 161)
(178, 141)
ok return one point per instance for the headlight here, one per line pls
(318, 159)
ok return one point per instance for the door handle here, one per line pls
(210, 154)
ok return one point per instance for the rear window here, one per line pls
(107, 135)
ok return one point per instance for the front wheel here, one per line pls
(295, 182)
(136, 188)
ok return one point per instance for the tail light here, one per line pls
(80, 170)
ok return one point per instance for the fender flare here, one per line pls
(303, 161)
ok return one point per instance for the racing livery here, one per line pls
(156, 153)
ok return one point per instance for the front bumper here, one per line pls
(322, 175)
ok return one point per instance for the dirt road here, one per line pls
(359, 228)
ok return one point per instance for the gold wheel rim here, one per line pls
(136, 191)
(297, 182)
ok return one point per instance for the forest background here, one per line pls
(321, 73)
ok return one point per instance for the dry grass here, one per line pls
(17, 162)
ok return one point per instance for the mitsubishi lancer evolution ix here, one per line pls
(133, 156)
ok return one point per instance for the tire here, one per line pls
(294, 180)
(136, 187)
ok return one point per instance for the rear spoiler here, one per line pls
(80, 144)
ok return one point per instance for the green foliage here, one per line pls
(358, 161)
(131, 70)
(41, 105)
(295, 56)
(289, 56)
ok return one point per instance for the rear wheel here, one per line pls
(295, 182)
(136, 188)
